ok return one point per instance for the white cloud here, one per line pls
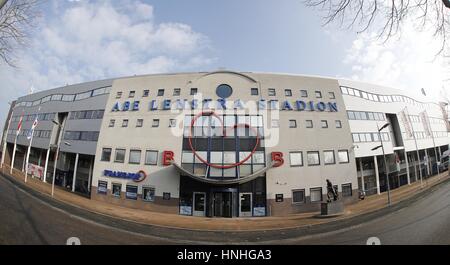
(407, 61)
(86, 40)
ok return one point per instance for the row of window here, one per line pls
(66, 97)
(308, 124)
(416, 118)
(37, 133)
(299, 195)
(81, 136)
(131, 191)
(364, 115)
(313, 158)
(87, 114)
(140, 123)
(31, 117)
(135, 155)
(253, 91)
(370, 137)
(381, 98)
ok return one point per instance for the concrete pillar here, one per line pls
(428, 162)
(407, 168)
(377, 174)
(415, 166)
(46, 164)
(75, 172)
(90, 174)
(362, 173)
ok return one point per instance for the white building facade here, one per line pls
(235, 144)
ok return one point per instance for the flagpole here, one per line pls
(434, 143)
(31, 134)
(14, 152)
(417, 148)
(5, 139)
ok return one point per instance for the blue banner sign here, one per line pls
(136, 177)
(262, 104)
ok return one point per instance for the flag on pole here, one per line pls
(19, 126)
(30, 132)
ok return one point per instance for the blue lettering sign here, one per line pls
(206, 103)
(333, 106)
(301, 105)
(136, 106)
(222, 103)
(238, 104)
(166, 104)
(116, 107)
(262, 104)
(194, 104)
(321, 106)
(126, 106)
(153, 105)
(311, 105)
(287, 105)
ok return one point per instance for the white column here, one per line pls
(415, 166)
(377, 174)
(46, 164)
(75, 172)
(407, 167)
(362, 173)
(428, 162)
(13, 157)
(24, 160)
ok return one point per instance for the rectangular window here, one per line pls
(343, 156)
(272, 92)
(155, 123)
(254, 92)
(120, 156)
(347, 190)
(68, 98)
(351, 115)
(324, 123)
(160, 92)
(102, 187)
(131, 192)
(309, 123)
(132, 94)
(106, 154)
(331, 94)
(315, 194)
(194, 91)
(313, 158)
(151, 157)
(125, 123)
(355, 138)
(146, 93)
(112, 123)
(304, 93)
(344, 90)
(329, 157)
(119, 94)
(292, 124)
(84, 95)
(135, 157)
(296, 159)
(116, 189)
(318, 94)
(338, 124)
(288, 92)
(139, 123)
(176, 91)
(298, 196)
(148, 194)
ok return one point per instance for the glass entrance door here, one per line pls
(222, 204)
(199, 204)
(245, 204)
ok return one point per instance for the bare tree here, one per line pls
(389, 13)
(17, 17)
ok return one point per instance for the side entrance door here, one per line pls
(199, 204)
(245, 204)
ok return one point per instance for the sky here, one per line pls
(76, 41)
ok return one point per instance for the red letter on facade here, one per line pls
(277, 157)
(167, 157)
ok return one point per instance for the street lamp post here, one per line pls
(384, 158)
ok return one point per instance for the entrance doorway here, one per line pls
(199, 204)
(245, 204)
(223, 204)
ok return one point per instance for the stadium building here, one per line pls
(224, 143)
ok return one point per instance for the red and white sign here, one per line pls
(36, 171)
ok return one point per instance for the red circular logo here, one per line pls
(212, 113)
